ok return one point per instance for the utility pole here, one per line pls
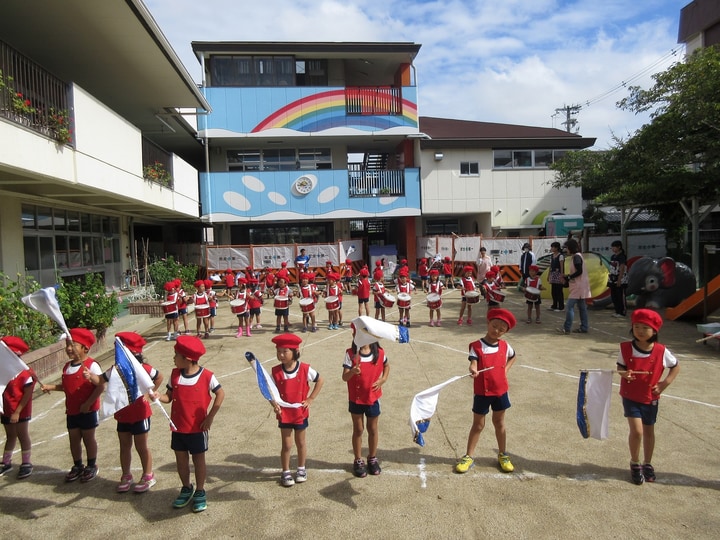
(569, 122)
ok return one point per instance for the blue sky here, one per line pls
(507, 61)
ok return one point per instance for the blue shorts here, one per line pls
(363, 300)
(646, 411)
(6, 419)
(194, 443)
(254, 311)
(371, 411)
(347, 280)
(172, 316)
(282, 312)
(379, 305)
(182, 311)
(482, 404)
(136, 428)
(296, 427)
(82, 421)
(423, 278)
(213, 311)
(448, 276)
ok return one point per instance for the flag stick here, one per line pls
(157, 402)
(715, 335)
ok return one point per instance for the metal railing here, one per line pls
(373, 100)
(157, 164)
(375, 183)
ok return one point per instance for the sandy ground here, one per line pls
(563, 485)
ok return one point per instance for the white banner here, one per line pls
(222, 258)
(638, 244)
(541, 246)
(273, 256)
(426, 247)
(320, 253)
(445, 246)
(351, 249)
(504, 251)
(467, 248)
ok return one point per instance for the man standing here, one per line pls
(527, 259)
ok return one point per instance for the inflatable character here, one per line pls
(659, 283)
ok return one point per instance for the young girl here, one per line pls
(435, 286)
(293, 379)
(182, 305)
(467, 284)
(308, 290)
(346, 271)
(363, 292)
(641, 364)
(618, 278)
(255, 301)
(365, 370)
(490, 286)
(202, 301)
(448, 273)
(333, 289)
(17, 412)
(281, 314)
(212, 302)
(133, 421)
(533, 280)
(424, 272)
(378, 289)
(404, 286)
(171, 318)
(243, 317)
(556, 277)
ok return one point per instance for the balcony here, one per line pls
(375, 183)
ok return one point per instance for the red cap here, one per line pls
(648, 317)
(490, 274)
(229, 271)
(404, 272)
(378, 275)
(535, 267)
(348, 261)
(434, 272)
(178, 283)
(504, 315)
(378, 263)
(208, 284)
(282, 274)
(132, 340)
(328, 263)
(364, 272)
(287, 341)
(404, 261)
(495, 268)
(447, 259)
(83, 336)
(198, 283)
(467, 269)
(169, 286)
(16, 344)
(243, 281)
(283, 264)
(190, 347)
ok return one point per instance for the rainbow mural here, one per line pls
(326, 110)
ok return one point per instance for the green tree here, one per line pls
(164, 270)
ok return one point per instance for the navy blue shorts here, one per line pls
(646, 411)
(297, 427)
(6, 419)
(363, 300)
(136, 428)
(282, 312)
(371, 411)
(482, 404)
(172, 315)
(194, 443)
(213, 311)
(182, 311)
(254, 311)
(82, 421)
(379, 305)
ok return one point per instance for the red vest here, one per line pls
(77, 389)
(360, 388)
(138, 410)
(255, 300)
(492, 382)
(640, 390)
(293, 390)
(363, 288)
(190, 402)
(334, 290)
(435, 287)
(14, 392)
(378, 290)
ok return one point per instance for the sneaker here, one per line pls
(199, 500)
(469, 322)
(438, 323)
(146, 482)
(359, 468)
(277, 329)
(580, 331)
(304, 329)
(648, 472)
(505, 464)
(25, 470)
(286, 480)
(5, 467)
(186, 495)
(314, 329)
(206, 335)
(459, 322)
(464, 465)
(300, 476)
(562, 331)
(89, 473)
(126, 481)
(259, 326)
(287, 329)
(212, 330)
(168, 337)
(373, 466)
(636, 473)
(537, 321)
(432, 323)
(529, 321)
(74, 473)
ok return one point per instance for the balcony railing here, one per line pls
(157, 164)
(373, 100)
(375, 183)
(34, 98)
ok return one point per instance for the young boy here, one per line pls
(405, 287)
(189, 392)
(467, 284)
(283, 291)
(424, 273)
(82, 402)
(308, 290)
(490, 360)
(448, 273)
(171, 313)
(363, 292)
(378, 289)
(202, 308)
(333, 289)
(533, 281)
(293, 379)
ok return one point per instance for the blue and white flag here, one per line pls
(593, 403)
(423, 408)
(127, 381)
(367, 330)
(266, 384)
(10, 366)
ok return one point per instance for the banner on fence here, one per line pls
(426, 246)
(321, 253)
(467, 248)
(222, 258)
(504, 251)
(445, 246)
(351, 249)
(273, 256)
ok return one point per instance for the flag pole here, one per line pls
(157, 402)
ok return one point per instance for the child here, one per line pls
(17, 412)
(212, 302)
(365, 370)
(269, 282)
(363, 292)
(308, 290)
(404, 286)
(255, 301)
(189, 392)
(378, 289)
(435, 286)
(182, 305)
(490, 360)
(171, 318)
(641, 364)
(282, 289)
(467, 284)
(533, 280)
(244, 317)
(202, 301)
(82, 402)
(229, 282)
(333, 289)
(133, 421)
(423, 272)
(346, 271)
(489, 288)
(448, 273)
(292, 379)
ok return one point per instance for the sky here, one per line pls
(505, 61)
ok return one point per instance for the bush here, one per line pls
(84, 303)
(164, 270)
(16, 319)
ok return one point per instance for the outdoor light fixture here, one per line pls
(438, 156)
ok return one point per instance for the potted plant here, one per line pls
(157, 173)
(59, 123)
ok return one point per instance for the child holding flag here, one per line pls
(641, 364)
(82, 402)
(133, 421)
(189, 392)
(365, 370)
(292, 379)
(17, 411)
(490, 360)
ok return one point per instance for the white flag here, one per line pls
(593, 403)
(423, 408)
(10, 366)
(45, 301)
(367, 330)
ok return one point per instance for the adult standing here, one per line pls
(302, 261)
(556, 277)
(483, 263)
(617, 279)
(527, 259)
(579, 285)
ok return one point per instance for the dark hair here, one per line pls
(618, 244)
(572, 246)
(296, 354)
(483, 248)
(374, 350)
(139, 357)
(653, 339)
(556, 245)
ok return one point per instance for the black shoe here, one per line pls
(359, 468)
(4, 468)
(648, 472)
(25, 470)
(636, 473)
(89, 473)
(373, 466)
(580, 331)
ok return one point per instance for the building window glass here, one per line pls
(279, 159)
(543, 158)
(265, 71)
(28, 217)
(525, 159)
(469, 168)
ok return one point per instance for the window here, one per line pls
(279, 159)
(441, 226)
(243, 160)
(259, 71)
(469, 168)
(518, 159)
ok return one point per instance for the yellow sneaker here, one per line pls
(505, 464)
(464, 464)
